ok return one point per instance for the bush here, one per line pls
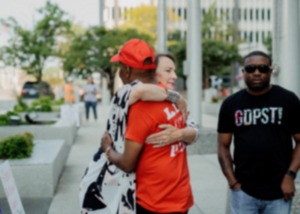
(21, 106)
(61, 101)
(214, 99)
(5, 118)
(42, 104)
(16, 146)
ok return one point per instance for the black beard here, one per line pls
(258, 88)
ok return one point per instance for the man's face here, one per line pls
(257, 73)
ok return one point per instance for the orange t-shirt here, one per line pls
(162, 176)
(69, 94)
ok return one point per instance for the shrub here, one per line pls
(5, 118)
(21, 106)
(16, 146)
(214, 99)
(61, 101)
(42, 104)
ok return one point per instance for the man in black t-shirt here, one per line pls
(262, 120)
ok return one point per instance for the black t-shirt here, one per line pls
(262, 127)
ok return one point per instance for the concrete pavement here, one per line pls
(208, 183)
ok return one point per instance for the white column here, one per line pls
(194, 49)
(161, 27)
(101, 12)
(289, 75)
(276, 38)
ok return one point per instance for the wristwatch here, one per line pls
(172, 96)
(291, 173)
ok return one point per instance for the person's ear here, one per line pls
(128, 72)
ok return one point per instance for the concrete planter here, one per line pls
(62, 129)
(37, 176)
(42, 116)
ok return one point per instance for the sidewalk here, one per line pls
(208, 183)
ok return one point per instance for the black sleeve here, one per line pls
(294, 120)
(226, 118)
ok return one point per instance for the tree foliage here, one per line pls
(217, 53)
(91, 52)
(31, 49)
(268, 44)
(144, 19)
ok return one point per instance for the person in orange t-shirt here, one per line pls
(69, 91)
(162, 176)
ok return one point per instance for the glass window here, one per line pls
(251, 14)
(251, 36)
(245, 14)
(257, 36)
(227, 14)
(245, 35)
(240, 14)
(262, 14)
(257, 14)
(269, 14)
(179, 12)
(262, 35)
(184, 14)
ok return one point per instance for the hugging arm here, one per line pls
(171, 134)
(126, 161)
(151, 92)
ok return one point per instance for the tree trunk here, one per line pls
(39, 81)
(206, 77)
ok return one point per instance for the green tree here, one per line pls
(30, 49)
(91, 52)
(268, 44)
(217, 54)
(144, 19)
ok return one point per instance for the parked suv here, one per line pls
(30, 89)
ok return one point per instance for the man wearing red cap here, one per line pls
(162, 177)
(107, 189)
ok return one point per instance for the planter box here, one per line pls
(42, 116)
(64, 130)
(36, 177)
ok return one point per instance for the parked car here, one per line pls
(30, 89)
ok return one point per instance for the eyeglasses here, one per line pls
(261, 68)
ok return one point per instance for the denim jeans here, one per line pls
(89, 105)
(242, 203)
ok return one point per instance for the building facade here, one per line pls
(253, 17)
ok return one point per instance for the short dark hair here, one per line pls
(168, 55)
(257, 53)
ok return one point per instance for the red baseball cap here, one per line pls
(134, 53)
